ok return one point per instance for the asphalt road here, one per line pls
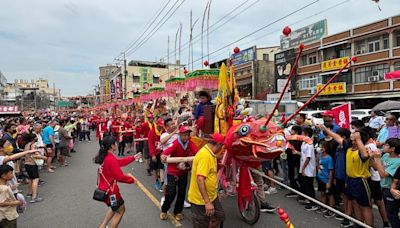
(68, 201)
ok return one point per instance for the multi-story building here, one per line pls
(377, 48)
(3, 83)
(33, 94)
(254, 69)
(140, 76)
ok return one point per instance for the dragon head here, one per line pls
(252, 141)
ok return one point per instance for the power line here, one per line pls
(155, 29)
(186, 45)
(148, 25)
(261, 28)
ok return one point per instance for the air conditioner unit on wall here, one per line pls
(375, 73)
(373, 78)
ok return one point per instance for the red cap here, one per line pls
(184, 129)
(150, 116)
(160, 122)
(216, 137)
(328, 113)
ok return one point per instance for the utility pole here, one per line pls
(125, 95)
(54, 95)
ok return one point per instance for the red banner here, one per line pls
(342, 115)
(394, 75)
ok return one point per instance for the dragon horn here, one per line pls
(353, 59)
(301, 47)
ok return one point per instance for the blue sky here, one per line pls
(66, 41)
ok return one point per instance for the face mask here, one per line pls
(9, 149)
(319, 150)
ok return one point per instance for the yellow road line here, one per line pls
(171, 218)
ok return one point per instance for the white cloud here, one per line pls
(66, 41)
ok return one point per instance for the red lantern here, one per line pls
(286, 31)
(160, 80)
(236, 50)
(151, 84)
(206, 63)
(185, 71)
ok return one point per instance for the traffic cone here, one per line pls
(285, 218)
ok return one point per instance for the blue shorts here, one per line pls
(358, 189)
(266, 165)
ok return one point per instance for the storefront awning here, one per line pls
(333, 72)
(333, 45)
(243, 82)
(349, 97)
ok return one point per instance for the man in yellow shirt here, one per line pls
(207, 211)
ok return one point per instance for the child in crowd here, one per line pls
(357, 169)
(308, 169)
(395, 204)
(8, 202)
(325, 178)
(387, 165)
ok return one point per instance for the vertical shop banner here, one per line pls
(108, 90)
(112, 86)
(118, 87)
(284, 62)
(342, 115)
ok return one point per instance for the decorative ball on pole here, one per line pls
(160, 80)
(286, 31)
(205, 63)
(236, 50)
(151, 84)
(185, 71)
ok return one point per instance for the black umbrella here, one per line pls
(387, 105)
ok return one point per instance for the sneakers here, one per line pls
(36, 200)
(346, 223)
(303, 201)
(162, 200)
(291, 195)
(266, 207)
(271, 191)
(338, 217)
(329, 214)
(141, 160)
(311, 208)
(163, 216)
(179, 217)
(186, 204)
(157, 185)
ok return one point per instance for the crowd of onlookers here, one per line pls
(352, 169)
(31, 145)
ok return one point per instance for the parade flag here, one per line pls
(342, 115)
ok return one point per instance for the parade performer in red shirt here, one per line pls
(101, 130)
(155, 153)
(146, 127)
(177, 174)
(110, 174)
(128, 135)
(138, 135)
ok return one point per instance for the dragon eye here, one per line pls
(244, 130)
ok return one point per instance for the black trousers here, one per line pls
(307, 185)
(293, 171)
(175, 184)
(121, 147)
(392, 206)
